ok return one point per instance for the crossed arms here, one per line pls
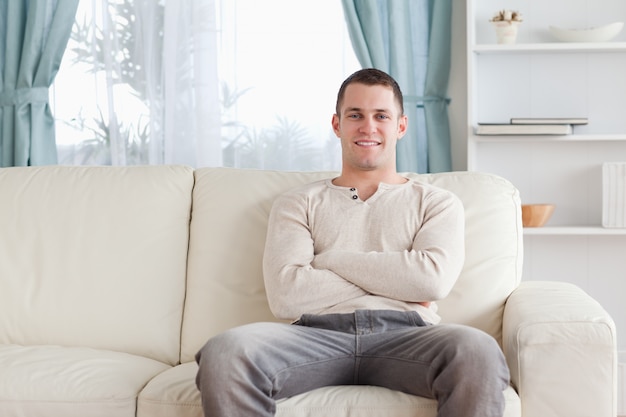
(301, 278)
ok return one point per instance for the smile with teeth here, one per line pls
(367, 143)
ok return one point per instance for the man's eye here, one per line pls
(383, 116)
(353, 116)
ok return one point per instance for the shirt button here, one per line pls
(354, 197)
(353, 189)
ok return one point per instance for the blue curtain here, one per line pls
(410, 40)
(33, 37)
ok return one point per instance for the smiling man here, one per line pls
(357, 263)
(369, 120)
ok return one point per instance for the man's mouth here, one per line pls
(367, 143)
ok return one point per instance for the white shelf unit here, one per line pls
(541, 77)
(574, 231)
(551, 47)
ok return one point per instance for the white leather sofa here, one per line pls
(111, 278)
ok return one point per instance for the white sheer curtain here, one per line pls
(138, 84)
(192, 106)
(202, 83)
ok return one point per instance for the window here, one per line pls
(279, 65)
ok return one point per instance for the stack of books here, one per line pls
(532, 126)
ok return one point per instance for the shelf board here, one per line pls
(573, 230)
(549, 138)
(556, 47)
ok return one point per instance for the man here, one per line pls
(358, 262)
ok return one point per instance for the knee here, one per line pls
(475, 354)
(228, 345)
(477, 344)
(217, 346)
(229, 355)
(240, 344)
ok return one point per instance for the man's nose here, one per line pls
(369, 125)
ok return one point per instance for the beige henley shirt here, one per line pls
(327, 251)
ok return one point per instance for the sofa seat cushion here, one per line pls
(369, 401)
(60, 381)
(174, 393)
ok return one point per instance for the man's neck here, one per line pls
(366, 182)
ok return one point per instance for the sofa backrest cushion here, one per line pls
(493, 249)
(95, 257)
(227, 238)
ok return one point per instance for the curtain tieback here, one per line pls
(23, 96)
(420, 100)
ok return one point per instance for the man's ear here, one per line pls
(335, 124)
(402, 126)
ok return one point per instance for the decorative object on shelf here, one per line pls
(506, 23)
(614, 194)
(536, 215)
(595, 34)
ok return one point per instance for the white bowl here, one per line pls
(597, 34)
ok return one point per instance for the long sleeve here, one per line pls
(425, 272)
(293, 286)
(327, 252)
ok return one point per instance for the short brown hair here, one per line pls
(370, 76)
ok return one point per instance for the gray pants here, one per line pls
(246, 369)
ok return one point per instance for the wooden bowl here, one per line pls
(536, 215)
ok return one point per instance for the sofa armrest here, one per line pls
(561, 348)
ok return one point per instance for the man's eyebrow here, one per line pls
(358, 109)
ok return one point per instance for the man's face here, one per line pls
(369, 125)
